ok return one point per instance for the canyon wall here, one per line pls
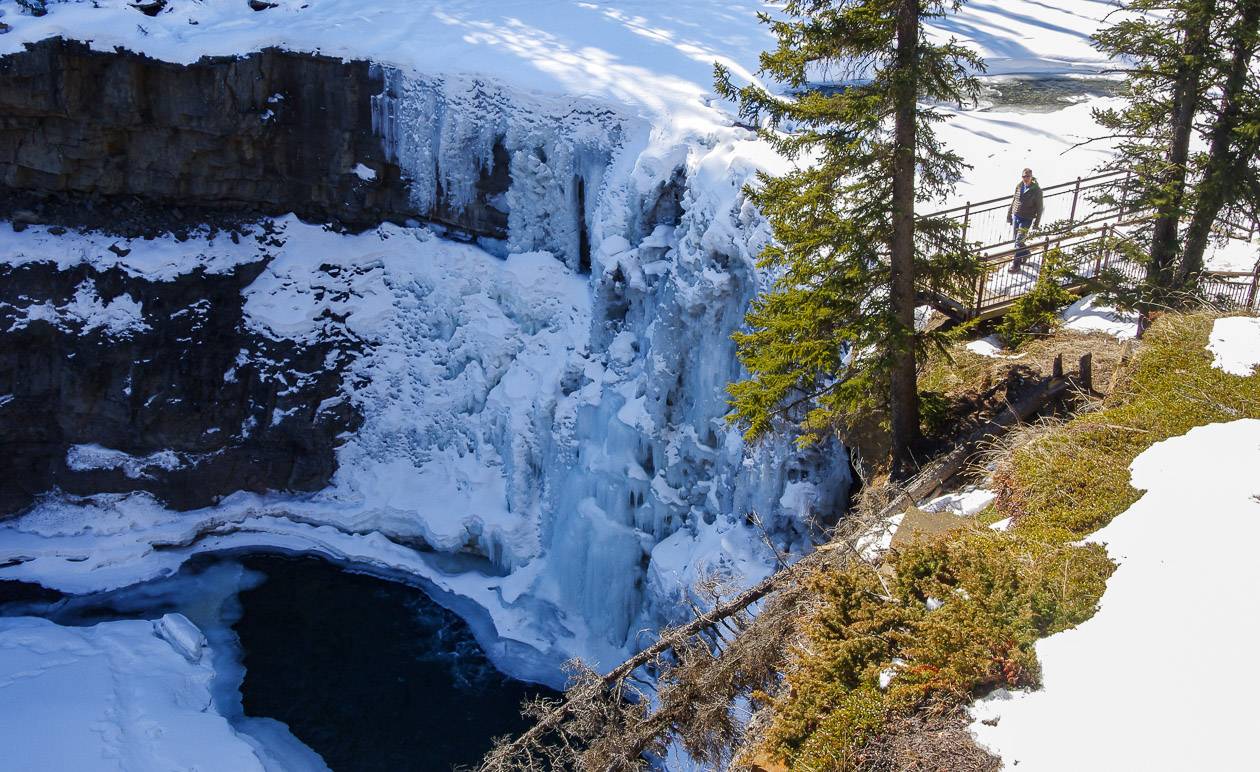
(270, 132)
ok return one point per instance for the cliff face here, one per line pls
(272, 132)
(111, 382)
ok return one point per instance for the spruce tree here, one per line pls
(834, 336)
(1167, 44)
(1231, 165)
(1190, 75)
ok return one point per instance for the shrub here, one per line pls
(999, 593)
(1036, 311)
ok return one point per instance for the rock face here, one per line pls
(111, 383)
(272, 132)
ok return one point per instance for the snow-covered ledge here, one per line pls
(133, 695)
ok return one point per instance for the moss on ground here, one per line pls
(958, 616)
(1070, 481)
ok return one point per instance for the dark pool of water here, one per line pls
(372, 675)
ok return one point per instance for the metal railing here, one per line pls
(1087, 232)
(1086, 255)
(1232, 289)
(986, 224)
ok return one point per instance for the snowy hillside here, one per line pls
(1144, 684)
(133, 695)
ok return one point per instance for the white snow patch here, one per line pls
(85, 313)
(1235, 344)
(82, 458)
(1140, 685)
(1236, 255)
(991, 347)
(131, 695)
(1090, 315)
(365, 173)
(963, 503)
(878, 540)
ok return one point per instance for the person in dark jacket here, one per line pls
(1026, 209)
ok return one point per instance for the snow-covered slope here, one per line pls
(1154, 681)
(129, 695)
(655, 56)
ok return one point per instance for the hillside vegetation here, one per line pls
(950, 618)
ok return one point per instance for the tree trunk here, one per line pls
(1187, 90)
(904, 396)
(1227, 153)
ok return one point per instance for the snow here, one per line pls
(127, 695)
(991, 347)
(964, 503)
(1149, 682)
(999, 143)
(1235, 344)
(1089, 315)
(1236, 255)
(365, 173)
(85, 313)
(878, 540)
(655, 58)
(86, 457)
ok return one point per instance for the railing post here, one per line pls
(984, 275)
(1255, 284)
(1124, 194)
(967, 219)
(1076, 194)
(1098, 261)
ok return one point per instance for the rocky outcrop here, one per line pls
(111, 382)
(273, 132)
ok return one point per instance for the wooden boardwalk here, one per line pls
(1088, 234)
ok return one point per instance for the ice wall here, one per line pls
(460, 141)
(624, 464)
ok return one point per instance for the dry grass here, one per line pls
(957, 370)
(1059, 479)
(928, 742)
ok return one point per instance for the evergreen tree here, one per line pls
(1168, 43)
(1191, 75)
(834, 336)
(1231, 166)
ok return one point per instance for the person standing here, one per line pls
(1026, 208)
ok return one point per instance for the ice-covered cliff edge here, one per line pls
(543, 436)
